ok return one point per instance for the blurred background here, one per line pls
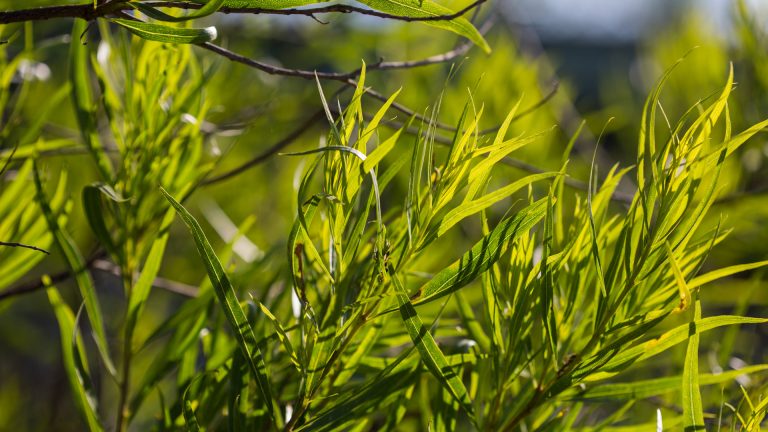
(573, 61)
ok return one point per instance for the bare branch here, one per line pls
(96, 263)
(26, 246)
(36, 285)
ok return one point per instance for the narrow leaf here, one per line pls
(162, 33)
(70, 349)
(428, 8)
(430, 353)
(225, 293)
(480, 258)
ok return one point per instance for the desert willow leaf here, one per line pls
(140, 291)
(81, 95)
(693, 146)
(282, 335)
(382, 150)
(693, 412)
(705, 163)
(76, 262)
(469, 208)
(372, 125)
(162, 33)
(682, 286)
(496, 153)
(755, 419)
(362, 157)
(547, 280)
(659, 386)
(646, 148)
(428, 8)
(73, 353)
(376, 394)
(482, 255)
(185, 326)
(190, 420)
(723, 272)
(92, 204)
(210, 7)
(430, 353)
(666, 341)
(225, 293)
(594, 235)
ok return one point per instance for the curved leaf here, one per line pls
(482, 255)
(428, 8)
(161, 33)
(225, 293)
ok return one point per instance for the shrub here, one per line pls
(558, 317)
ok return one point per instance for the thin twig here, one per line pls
(96, 262)
(26, 246)
(36, 285)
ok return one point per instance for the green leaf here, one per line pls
(683, 289)
(225, 293)
(190, 420)
(77, 264)
(647, 388)
(140, 291)
(162, 33)
(724, 272)
(693, 412)
(469, 208)
(97, 219)
(81, 95)
(666, 341)
(376, 394)
(428, 8)
(282, 335)
(430, 353)
(482, 255)
(210, 7)
(72, 352)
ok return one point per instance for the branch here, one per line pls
(96, 263)
(88, 12)
(311, 12)
(22, 245)
(35, 285)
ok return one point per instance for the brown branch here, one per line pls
(88, 12)
(95, 262)
(26, 246)
(278, 70)
(35, 285)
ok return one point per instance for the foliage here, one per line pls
(417, 285)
